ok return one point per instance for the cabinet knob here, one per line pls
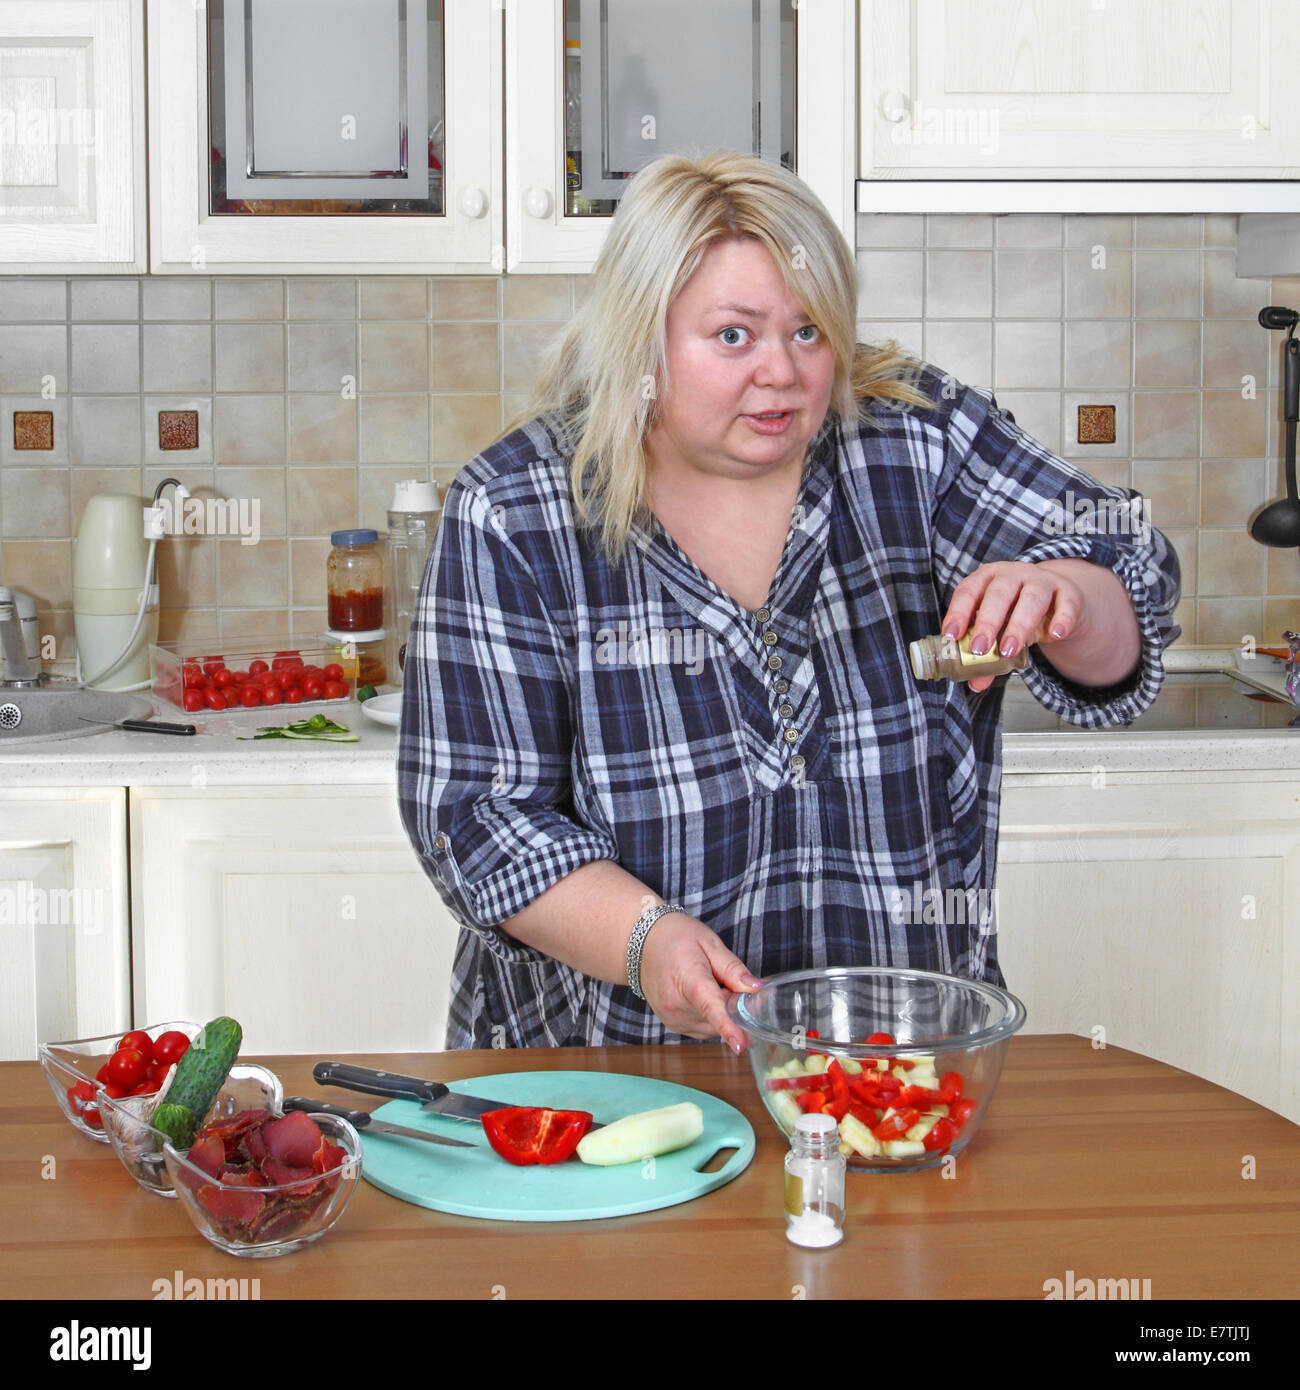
(894, 105)
(537, 202)
(473, 202)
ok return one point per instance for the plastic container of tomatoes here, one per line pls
(253, 673)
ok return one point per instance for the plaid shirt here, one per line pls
(779, 773)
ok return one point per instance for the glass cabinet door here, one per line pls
(597, 89)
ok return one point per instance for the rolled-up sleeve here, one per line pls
(1003, 496)
(484, 748)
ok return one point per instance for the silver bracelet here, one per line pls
(639, 933)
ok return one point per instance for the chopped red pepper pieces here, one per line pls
(896, 1125)
(813, 1081)
(811, 1101)
(524, 1134)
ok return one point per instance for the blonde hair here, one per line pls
(600, 381)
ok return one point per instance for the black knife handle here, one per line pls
(157, 726)
(377, 1083)
(358, 1119)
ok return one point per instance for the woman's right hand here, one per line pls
(686, 975)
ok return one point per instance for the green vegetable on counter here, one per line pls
(199, 1076)
(367, 692)
(317, 727)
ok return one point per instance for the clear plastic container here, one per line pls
(814, 1183)
(412, 520)
(354, 587)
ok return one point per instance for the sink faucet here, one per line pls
(20, 670)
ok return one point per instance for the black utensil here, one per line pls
(1279, 523)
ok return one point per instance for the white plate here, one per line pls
(384, 709)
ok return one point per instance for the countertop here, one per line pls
(114, 758)
(1095, 1161)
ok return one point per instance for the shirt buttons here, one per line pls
(786, 710)
(774, 663)
(440, 841)
(796, 761)
(770, 638)
(781, 686)
(763, 614)
(792, 735)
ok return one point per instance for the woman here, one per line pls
(660, 659)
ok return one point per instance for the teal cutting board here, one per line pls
(477, 1182)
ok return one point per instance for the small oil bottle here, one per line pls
(942, 658)
(814, 1183)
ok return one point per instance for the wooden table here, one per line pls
(1095, 1161)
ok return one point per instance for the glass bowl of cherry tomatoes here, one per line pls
(135, 1141)
(122, 1064)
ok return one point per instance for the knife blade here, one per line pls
(433, 1095)
(141, 726)
(365, 1121)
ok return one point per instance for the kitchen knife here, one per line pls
(364, 1120)
(434, 1096)
(141, 726)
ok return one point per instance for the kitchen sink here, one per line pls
(49, 713)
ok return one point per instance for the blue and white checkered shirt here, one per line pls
(779, 773)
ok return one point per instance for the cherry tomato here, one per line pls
(240, 677)
(213, 664)
(222, 677)
(140, 1041)
(943, 1133)
(170, 1047)
(333, 672)
(250, 695)
(950, 1083)
(334, 690)
(258, 667)
(91, 1117)
(193, 700)
(961, 1112)
(272, 695)
(214, 699)
(285, 677)
(126, 1068)
(102, 1073)
(293, 695)
(882, 1038)
(83, 1091)
(311, 687)
(115, 1092)
(193, 679)
(145, 1088)
(231, 693)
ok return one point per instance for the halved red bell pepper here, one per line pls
(837, 1099)
(811, 1101)
(895, 1126)
(524, 1134)
(921, 1096)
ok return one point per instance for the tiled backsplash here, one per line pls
(314, 396)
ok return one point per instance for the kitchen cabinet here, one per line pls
(72, 137)
(659, 76)
(1146, 106)
(65, 969)
(1160, 909)
(301, 910)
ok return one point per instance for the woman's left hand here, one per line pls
(1012, 604)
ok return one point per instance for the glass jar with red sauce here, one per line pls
(354, 575)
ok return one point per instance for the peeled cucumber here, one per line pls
(646, 1135)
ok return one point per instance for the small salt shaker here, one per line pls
(814, 1182)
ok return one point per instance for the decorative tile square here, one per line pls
(1096, 424)
(178, 429)
(171, 459)
(33, 429)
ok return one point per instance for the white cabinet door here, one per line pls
(1082, 91)
(64, 932)
(1162, 910)
(302, 912)
(72, 151)
(542, 236)
(465, 238)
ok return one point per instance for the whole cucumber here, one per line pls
(199, 1076)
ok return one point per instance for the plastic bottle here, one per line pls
(814, 1183)
(572, 126)
(412, 520)
(941, 658)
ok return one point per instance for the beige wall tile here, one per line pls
(1280, 615)
(321, 356)
(891, 284)
(1232, 427)
(263, 486)
(1026, 354)
(1167, 354)
(34, 301)
(1283, 571)
(238, 625)
(394, 357)
(1029, 229)
(462, 426)
(891, 229)
(1231, 490)
(176, 297)
(1168, 284)
(466, 357)
(523, 345)
(252, 576)
(962, 347)
(187, 571)
(375, 492)
(1224, 621)
(177, 357)
(1226, 297)
(321, 299)
(36, 502)
(1038, 413)
(1233, 349)
(321, 500)
(1029, 284)
(1229, 563)
(395, 429)
(104, 358)
(953, 229)
(250, 357)
(1098, 290)
(1083, 231)
(307, 560)
(238, 298)
(1116, 472)
(187, 624)
(99, 300)
(958, 284)
(1221, 229)
(1098, 353)
(42, 569)
(1169, 485)
(535, 297)
(394, 299)
(322, 429)
(307, 622)
(1165, 424)
(106, 430)
(465, 297)
(249, 429)
(1159, 229)
(29, 353)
